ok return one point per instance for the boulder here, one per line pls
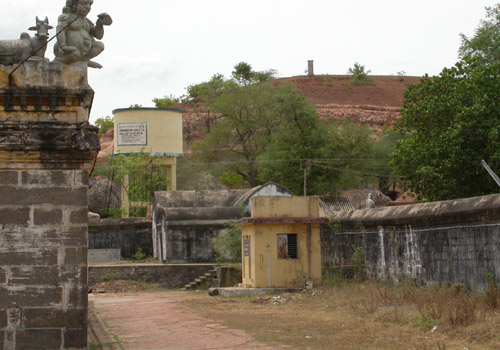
(103, 195)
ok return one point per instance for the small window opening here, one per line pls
(287, 246)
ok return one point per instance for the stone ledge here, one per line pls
(48, 136)
(48, 145)
(132, 222)
(467, 209)
(280, 221)
(46, 74)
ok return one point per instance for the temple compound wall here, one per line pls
(445, 243)
(47, 149)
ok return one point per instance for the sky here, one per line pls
(159, 47)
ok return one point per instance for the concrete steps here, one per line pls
(202, 282)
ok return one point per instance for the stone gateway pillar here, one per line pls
(47, 150)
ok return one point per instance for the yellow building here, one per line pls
(281, 243)
(154, 131)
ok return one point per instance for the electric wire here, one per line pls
(412, 230)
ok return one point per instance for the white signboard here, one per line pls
(132, 134)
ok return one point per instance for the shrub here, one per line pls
(108, 277)
(139, 255)
(358, 75)
(492, 293)
(449, 307)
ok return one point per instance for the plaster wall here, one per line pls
(164, 130)
(285, 206)
(285, 273)
(262, 267)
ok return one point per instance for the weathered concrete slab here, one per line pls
(235, 291)
(104, 255)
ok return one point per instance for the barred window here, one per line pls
(287, 246)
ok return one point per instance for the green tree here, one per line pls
(244, 74)
(359, 76)
(104, 124)
(485, 43)
(300, 137)
(327, 154)
(247, 121)
(305, 146)
(452, 122)
(166, 101)
(208, 89)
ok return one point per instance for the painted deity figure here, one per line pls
(77, 43)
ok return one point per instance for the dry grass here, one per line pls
(368, 315)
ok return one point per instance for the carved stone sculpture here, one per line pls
(76, 41)
(16, 51)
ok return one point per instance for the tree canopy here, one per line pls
(269, 133)
(259, 132)
(306, 146)
(452, 122)
(104, 124)
(485, 44)
(247, 123)
(166, 101)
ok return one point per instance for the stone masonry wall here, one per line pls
(192, 242)
(47, 150)
(124, 234)
(337, 250)
(445, 243)
(169, 276)
(43, 257)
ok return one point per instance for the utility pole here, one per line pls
(307, 167)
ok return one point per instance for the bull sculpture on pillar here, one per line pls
(16, 51)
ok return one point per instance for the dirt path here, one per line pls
(158, 320)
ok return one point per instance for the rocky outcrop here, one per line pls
(376, 118)
(107, 145)
(375, 106)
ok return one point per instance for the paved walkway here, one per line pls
(157, 321)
